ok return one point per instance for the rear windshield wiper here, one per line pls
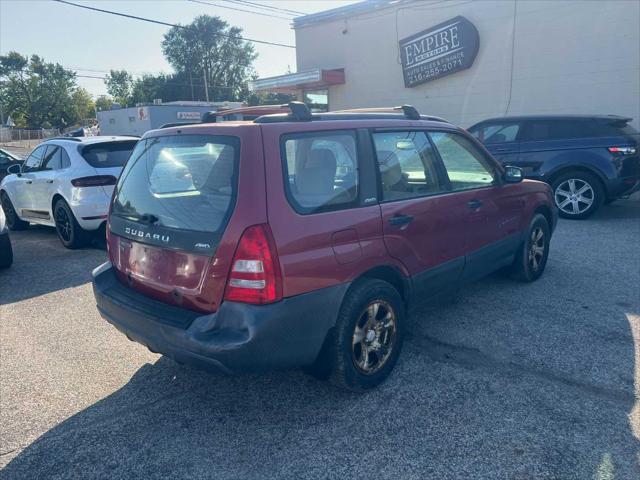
(146, 218)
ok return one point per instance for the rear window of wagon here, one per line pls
(187, 182)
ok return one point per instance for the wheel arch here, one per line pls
(56, 196)
(578, 168)
(392, 275)
(546, 212)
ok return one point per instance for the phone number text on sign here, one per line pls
(435, 69)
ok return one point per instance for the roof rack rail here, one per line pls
(409, 111)
(210, 117)
(299, 111)
(175, 124)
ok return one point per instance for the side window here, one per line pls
(539, 130)
(496, 133)
(4, 159)
(52, 158)
(466, 166)
(321, 170)
(65, 161)
(33, 161)
(407, 164)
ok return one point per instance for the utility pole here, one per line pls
(206, 87)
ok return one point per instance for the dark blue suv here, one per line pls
(587, 160)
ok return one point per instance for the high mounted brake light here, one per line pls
(255, 271)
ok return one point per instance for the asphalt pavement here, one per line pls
(505, 380)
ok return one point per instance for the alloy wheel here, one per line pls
(536, 249)
(374, 337)
(63, 224)
(574, 196)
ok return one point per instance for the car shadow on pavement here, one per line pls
(508, 380)
(449, 411)
(37, 250)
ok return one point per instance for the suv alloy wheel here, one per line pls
(577, 194)
(365, 344)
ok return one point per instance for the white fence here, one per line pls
(24, 137)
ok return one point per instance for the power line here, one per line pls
(169, 82)
(158, 22)
(266, 7)
(239, 9)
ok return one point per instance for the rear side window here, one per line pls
(108, 155)
(53, 158)
(321, 170)
(539, 130)
(186, 182)
(496, 132)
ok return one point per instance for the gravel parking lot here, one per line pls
(505, 380)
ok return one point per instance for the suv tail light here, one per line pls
(622, 150)
(255, 271)
(94, 181)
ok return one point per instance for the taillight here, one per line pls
(94, 181)
(255, 272)
(622, 150)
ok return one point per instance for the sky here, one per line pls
(92, 43)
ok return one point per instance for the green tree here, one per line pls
(103, 102)
(119, 84)
(83, 104)
(209, 48)
(36, 93)
(172, 87)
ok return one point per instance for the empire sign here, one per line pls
(447, 48)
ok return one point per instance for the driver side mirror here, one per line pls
(513, 174)
(15, 168)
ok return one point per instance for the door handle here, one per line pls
(29, 182)
(503, 150)
(49, 181)
(474, 204)
(401, 220)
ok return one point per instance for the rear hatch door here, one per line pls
(108, 158)
(172, 204)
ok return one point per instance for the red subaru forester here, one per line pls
(299, 239)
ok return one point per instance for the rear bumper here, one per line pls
(621, 187)
(238, 337)
(90, 206)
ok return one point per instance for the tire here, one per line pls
(6, 252)
(70, 233)
(578, 195)
(13, 221)
(361, 350)
(532, 255)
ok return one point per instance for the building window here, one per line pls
(318, 100)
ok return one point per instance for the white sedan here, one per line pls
(66, 183)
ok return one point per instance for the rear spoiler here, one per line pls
(615, 120)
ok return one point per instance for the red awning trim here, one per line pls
(307, 80)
